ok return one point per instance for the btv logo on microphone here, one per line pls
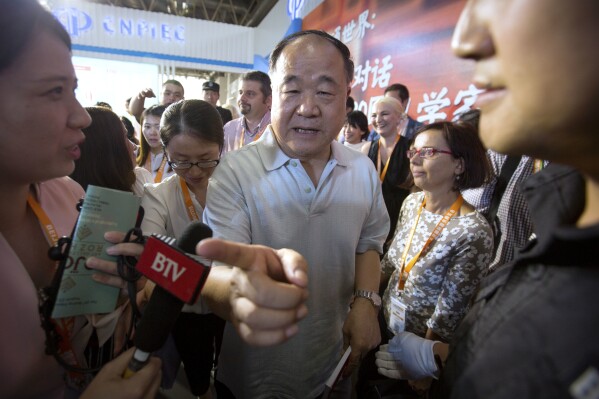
(173, 270)
(168, 267)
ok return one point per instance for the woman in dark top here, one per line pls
(388, 153)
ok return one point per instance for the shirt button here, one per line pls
(293, 163)
(308, 190)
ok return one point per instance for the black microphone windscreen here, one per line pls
(163, 308)
(192, 235)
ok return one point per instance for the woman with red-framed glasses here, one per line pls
(442, 246)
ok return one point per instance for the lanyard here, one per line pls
(191, 210)
(160, 170)
(244, 129)
(63, 325)
(405, 269)
(378, 159)
(43, 218)
(538, 165)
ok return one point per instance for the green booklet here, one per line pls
(103, 210)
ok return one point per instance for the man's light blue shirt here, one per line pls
(260, 195)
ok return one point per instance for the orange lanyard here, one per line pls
(160, 170)
(244, 129)
(191, 210)
(538, 165)
(64, 325)
(43, 218)
(378, 159)
(405, 269)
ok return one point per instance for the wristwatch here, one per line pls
(372, 296)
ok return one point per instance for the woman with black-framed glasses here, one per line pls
(192, 136)
(442, 246)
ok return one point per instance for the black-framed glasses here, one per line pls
(426, 152)
(183, 165)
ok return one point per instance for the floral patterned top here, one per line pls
(440, 284)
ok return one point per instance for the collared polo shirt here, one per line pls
(260, 195)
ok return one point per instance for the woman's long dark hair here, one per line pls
(105, 158)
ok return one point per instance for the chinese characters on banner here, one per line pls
(402, 42)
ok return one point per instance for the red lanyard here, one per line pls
(405, 269)
(191, 210)
(378, 159)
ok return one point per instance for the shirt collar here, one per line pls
(273, 156)
(403, 125)
(265, 118)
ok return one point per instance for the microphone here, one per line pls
(173, 269)
(179, 278)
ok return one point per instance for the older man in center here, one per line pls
(298, 188)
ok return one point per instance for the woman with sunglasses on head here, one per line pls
(442, 246)
(191, 132)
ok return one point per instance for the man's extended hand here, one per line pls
(268, 288)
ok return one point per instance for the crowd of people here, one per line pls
(455, 259)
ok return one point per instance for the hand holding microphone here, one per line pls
(109, 274)
(263, 296)
(108, 383)
(178, 279)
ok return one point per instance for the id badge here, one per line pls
(397, 319)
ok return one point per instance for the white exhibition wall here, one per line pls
(118, 51)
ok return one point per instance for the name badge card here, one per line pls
(397, 318)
